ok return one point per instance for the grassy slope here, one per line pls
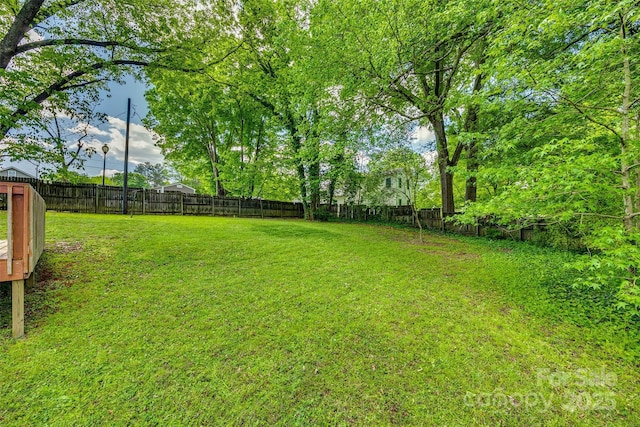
(180, 320)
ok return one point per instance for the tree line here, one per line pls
(533, 108)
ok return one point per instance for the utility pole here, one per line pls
(126, 160)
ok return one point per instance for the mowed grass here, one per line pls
(211, 321)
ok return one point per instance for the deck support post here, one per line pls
(17, 308)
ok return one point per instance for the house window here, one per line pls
(388, 183)
(11, 173)
(399, 202)
(399, 182)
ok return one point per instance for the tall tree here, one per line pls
(200, 119)
(406, 58)
(156, 175)
(276, 40)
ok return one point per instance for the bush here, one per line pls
(322, 214)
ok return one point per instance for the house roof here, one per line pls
(17, 170)
(172, 184)
(393, 172)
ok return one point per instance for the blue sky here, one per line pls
(112, 132)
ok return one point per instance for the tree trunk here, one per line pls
(302, 180)
(314, 185)
(18, 29)
(303, 191)
(471, 191)
(626, 171)
(471, 125)
(332, 190)
(296, 145)
(446, 176)
(220, 190)
(256, 157)
(446, 186)
(213, 159)
(417, 218)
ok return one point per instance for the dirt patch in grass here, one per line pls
(63, 247)
(40, 298)
(466, 255)
(437, 248)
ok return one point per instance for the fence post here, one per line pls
(181, 203)
(239, 207)
(97, 188)
(213, 205)
(261, 212)
(144, 196)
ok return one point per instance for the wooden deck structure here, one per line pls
(24, 244)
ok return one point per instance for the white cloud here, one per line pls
(112, 133)
(141, 145)
(424, 134)
(90, 129)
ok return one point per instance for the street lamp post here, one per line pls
(105, 150)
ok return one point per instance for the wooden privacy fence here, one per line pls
(92, 198)
(431, 219)
(23, 244)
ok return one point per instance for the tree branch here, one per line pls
(591, 119)
(78, 42)
(51, 10)
(618, 217)
(456, 154)
(81, 85)
(59, 86)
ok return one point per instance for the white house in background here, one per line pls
(178, 186)
(340, 198)
(393, 191)
(14, 172)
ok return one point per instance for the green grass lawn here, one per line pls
(163, 320)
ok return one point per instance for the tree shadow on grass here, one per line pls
(294, 231)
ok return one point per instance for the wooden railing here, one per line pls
(24, 244)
